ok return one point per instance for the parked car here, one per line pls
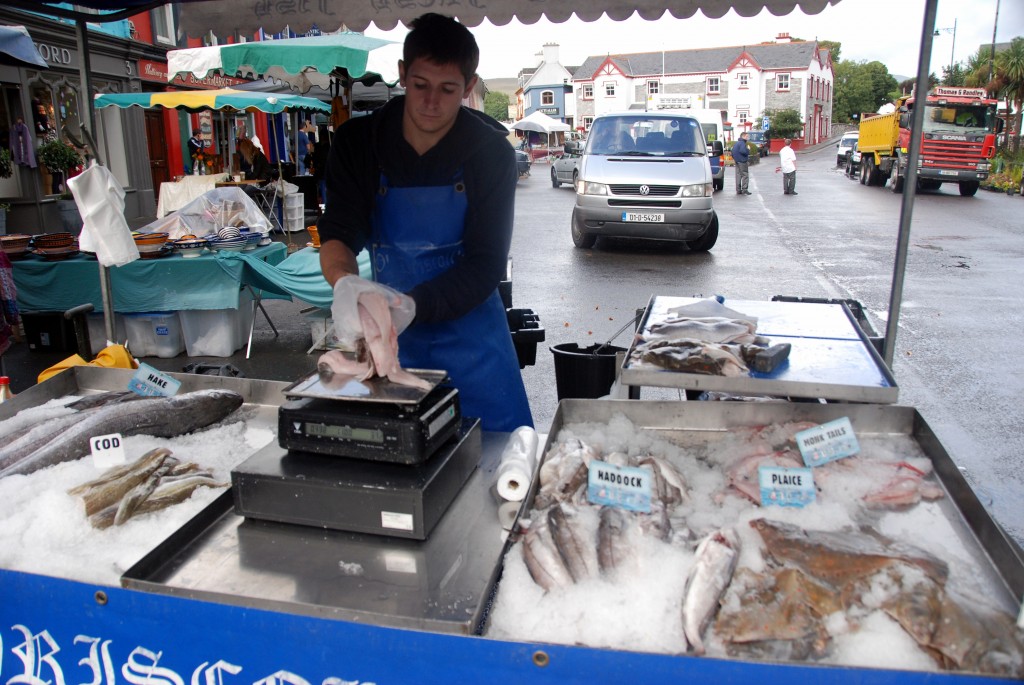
(566, 167)
(845, 144)
(646, 175)
(760, 139)
(523, 162)
(853, 163)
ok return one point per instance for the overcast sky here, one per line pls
(885, 30)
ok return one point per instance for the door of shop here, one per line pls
(157, 143)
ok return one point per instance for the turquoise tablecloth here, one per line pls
(170, 283)
(298, 276)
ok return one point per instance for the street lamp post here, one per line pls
(952, 50)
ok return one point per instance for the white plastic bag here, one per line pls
(345, 308)
(100, 200)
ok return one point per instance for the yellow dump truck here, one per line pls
(958, 139)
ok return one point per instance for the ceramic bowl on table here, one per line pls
(56, 254)
(252, 239)
(150, 242)
(48, 240)
(231, 245)
(15, 243)
(228, 233)
(190, 247)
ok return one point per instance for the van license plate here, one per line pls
(638, 217)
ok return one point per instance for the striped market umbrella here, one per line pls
(225, 98)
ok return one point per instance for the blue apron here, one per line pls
(417, 235)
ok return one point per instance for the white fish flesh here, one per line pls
(712, 571)
(712, 329)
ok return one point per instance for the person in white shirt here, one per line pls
(787, 163)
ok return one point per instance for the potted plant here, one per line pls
(59, 158)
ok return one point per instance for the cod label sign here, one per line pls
(624, 487)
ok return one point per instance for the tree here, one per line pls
(784, 123)
(954, 76)
(496, 105)
(1009, 80)
(833, 47)
(860, 87)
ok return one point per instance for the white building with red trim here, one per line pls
(745, 81)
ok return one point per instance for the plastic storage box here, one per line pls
(217, 332)
(294, 212)
(98, 330)
(526, 333)
(154, 334)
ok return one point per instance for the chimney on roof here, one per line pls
(783, 38)
(551, 53)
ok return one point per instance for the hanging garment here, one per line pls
(22, 145)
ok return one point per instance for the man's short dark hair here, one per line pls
(442, 40)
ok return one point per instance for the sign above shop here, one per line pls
(150, 70)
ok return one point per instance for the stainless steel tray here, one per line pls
(831, 357)
(372, 390)
(682, 423)
(442, 584)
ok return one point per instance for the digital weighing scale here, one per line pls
(374, 419)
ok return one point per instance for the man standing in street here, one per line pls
(787, 163)
(741, 157)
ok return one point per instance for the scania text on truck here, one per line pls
(957, 141)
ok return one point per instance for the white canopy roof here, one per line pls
(538, 121)
(247, 16)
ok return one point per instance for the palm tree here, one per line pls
(976, 69)
(1009, 80)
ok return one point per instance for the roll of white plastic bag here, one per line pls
(518, 460)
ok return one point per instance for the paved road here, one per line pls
(958, 349)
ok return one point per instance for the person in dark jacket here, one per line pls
(429, 186)
(258, 162)
(741, 157)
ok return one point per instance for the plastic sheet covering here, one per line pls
(210, 211)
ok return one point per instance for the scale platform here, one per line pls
(356, 495)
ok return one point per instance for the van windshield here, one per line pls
(654, 135)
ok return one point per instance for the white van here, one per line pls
(712, 123)
(646, 175)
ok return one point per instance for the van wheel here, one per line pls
(708, 240)
(554, 179)
(580, 238)
(717, 184)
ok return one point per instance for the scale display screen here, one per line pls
(324, 430)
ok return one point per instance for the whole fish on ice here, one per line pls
(717, 556)
(162, 417)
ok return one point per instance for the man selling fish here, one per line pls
(429, 185)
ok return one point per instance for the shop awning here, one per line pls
(227, 98)
(16, 47)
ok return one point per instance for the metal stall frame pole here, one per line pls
(280, 180)
(84, 69)
(910, 185)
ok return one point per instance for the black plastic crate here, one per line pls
(524, 325)
(49, 332)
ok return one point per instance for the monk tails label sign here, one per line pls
(619, 486)
(786, 487)
(149, 382)
(827, 442)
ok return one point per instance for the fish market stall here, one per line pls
(199, 590)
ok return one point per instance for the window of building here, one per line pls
(653, 87)
(744, 80)
(163, 25)
(714, 85)
(609, 88)
(588, 91)
(547, 97)
(587, 123)
(743, 115)
(782, 82)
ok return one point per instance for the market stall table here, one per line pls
(176, 194)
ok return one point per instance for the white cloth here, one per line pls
(176, 194)
(518, 461)
(100, 200)
(787, 160)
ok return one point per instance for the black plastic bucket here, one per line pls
(582, 374)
